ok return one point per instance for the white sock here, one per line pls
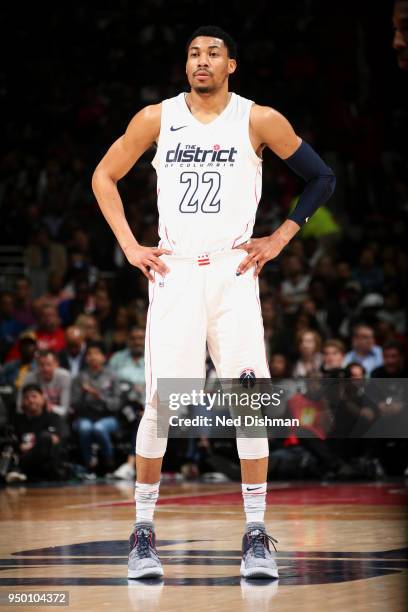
(254, 501)
(146, 497)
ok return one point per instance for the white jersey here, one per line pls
(209, 178)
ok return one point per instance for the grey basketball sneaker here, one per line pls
(257, 559)
(143, 561)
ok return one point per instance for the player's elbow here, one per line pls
(99, 178)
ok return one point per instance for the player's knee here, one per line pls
(252, 448)
(148, 444)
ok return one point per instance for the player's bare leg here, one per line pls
(257, 559)
(143, 558)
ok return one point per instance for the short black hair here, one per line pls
(96, 344)
(393, 344)
(216, 32)
(32, 387)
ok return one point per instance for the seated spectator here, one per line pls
(10, 328)
(333, 357)
(89, 326)
(367, 273)
(343, 314)
(40, 434)
(394, 366)
(280, 370)
(394, 312)
(356, 410)
(308, 343)
(95, 402)
(364, 349)
(50, 334)
(116, 339)
(294, 288)
(103, 311)
(23, 304)
(277, 336)
(54, 381)
(55, 293)
(129, 366)
(42, 256)
(14, 372)
(81, 302)
(72, 358)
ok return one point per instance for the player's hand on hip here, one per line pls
(148, 259)
(260, 250)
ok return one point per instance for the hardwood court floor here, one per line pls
(341, 547)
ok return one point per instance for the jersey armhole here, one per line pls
(256, 158)
(155, 160)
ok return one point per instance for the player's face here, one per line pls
(208, 65)
(400, 41)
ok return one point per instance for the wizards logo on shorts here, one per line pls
(247, 378)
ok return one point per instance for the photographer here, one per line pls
(40, 433)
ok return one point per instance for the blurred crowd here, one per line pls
(72, 325)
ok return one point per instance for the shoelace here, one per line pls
(258, 543)
(142, 544)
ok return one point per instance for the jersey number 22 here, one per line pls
(190, 203)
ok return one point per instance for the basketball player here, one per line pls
(400, 40)
(203, 284)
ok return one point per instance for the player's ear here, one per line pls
(232, 66)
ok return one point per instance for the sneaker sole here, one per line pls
(148, 572)
(259, 572)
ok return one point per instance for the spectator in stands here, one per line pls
(40, 434)
(14, 372)
(54, 381)
(116, 339)
(309, 344)
(277, 336)
(343, 315)
(322, 299)
(364, 349)
(43, 256)
(55, 293)
(50, 334)
(23, 304)
(333, 356)
(294, 288)
(81, 302)
(103, 311)
(129, 366)
(394, 312)
(280, 370)
(72, 358)
(393, 366)
(89, 327)
(10, 328)
(96, 401)
(367, 273)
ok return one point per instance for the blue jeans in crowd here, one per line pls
(96, 431)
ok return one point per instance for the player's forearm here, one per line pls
(110, 203)
(320, 182)
(285, 232)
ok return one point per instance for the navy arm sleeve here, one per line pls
(320, 182)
